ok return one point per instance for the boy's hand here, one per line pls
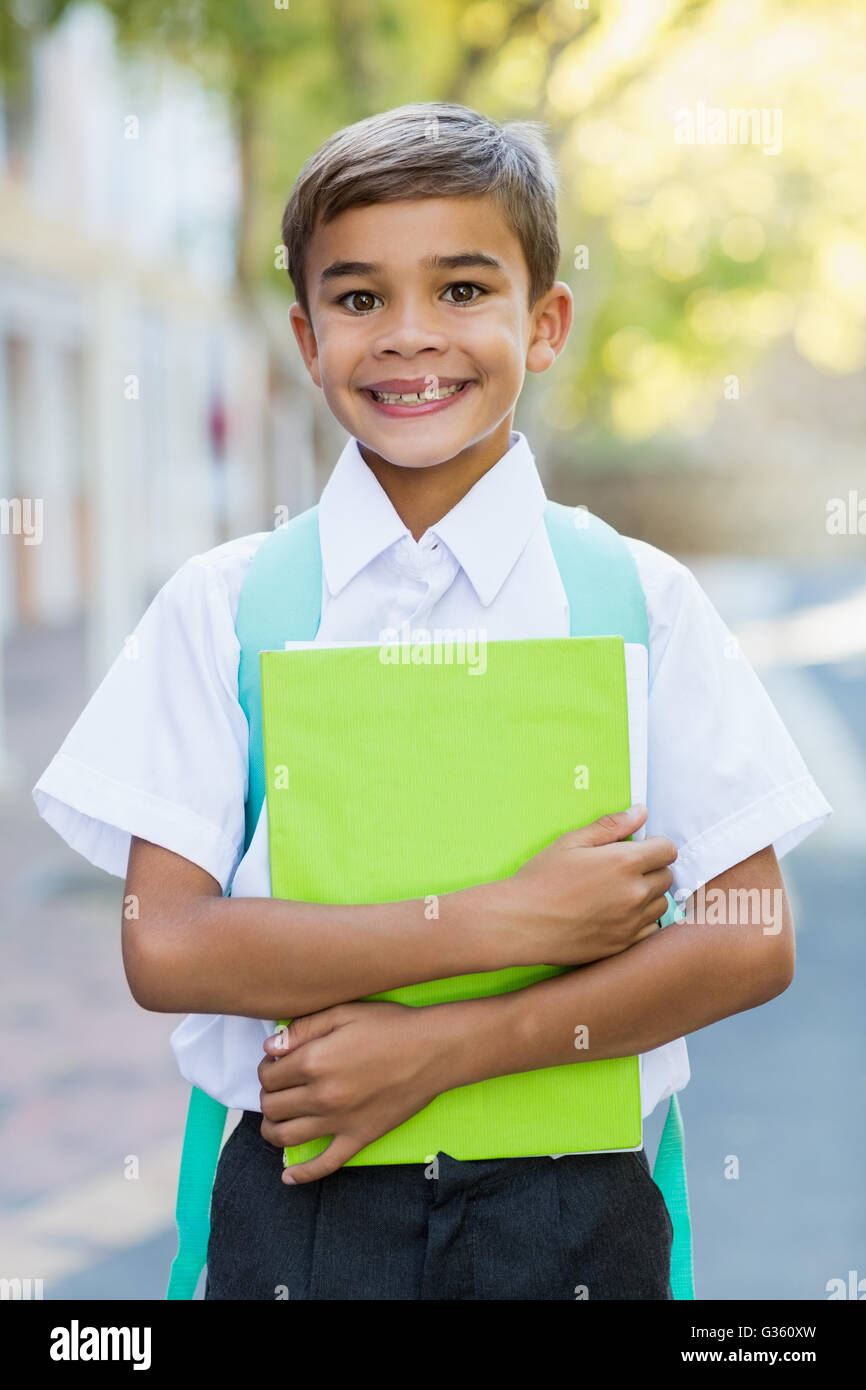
(355, 1071)
(588, 894)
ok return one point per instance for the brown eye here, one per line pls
(362, 301)
(463, 293)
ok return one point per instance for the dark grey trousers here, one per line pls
(584, 1226)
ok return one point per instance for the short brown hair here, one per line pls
(430, 150)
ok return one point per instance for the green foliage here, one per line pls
(702, 255)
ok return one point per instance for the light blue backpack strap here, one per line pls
(599, 575)
(605, 596)
(205, 1123)
(280, 601)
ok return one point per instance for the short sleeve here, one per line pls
(160, 749)
(725, 778)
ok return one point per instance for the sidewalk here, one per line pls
(91, 1092)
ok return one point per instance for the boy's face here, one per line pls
(425, 298)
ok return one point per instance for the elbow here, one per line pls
(148, 971)
(780, 960)
(147, 996)
(775, 982)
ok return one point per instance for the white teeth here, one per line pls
(416, 398)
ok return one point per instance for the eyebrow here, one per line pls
(466, 259)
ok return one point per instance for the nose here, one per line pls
(407, 330)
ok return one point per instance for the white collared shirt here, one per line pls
(160, 750)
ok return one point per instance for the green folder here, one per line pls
(414, 770)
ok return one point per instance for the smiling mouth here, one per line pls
(440, 393)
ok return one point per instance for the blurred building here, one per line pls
(146, 413)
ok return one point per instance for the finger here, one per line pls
(653, 911)
(607, 829)
(301, 1030)
(647, 931)
(338, 1152)
(286, 1134)
(279, 1073)
(656, 909)
(287, 1103)
(617, 826)
(655, 852)
(657, 882)
(280, 1042)
(646, 920)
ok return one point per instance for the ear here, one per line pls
(306, 340)
(552, 317)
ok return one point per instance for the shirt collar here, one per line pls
(486, 531)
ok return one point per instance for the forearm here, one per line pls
(682, 979)
(272, 958)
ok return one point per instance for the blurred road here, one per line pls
(92, 1109)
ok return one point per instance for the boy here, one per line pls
(423, 249)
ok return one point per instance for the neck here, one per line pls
(422, 496)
